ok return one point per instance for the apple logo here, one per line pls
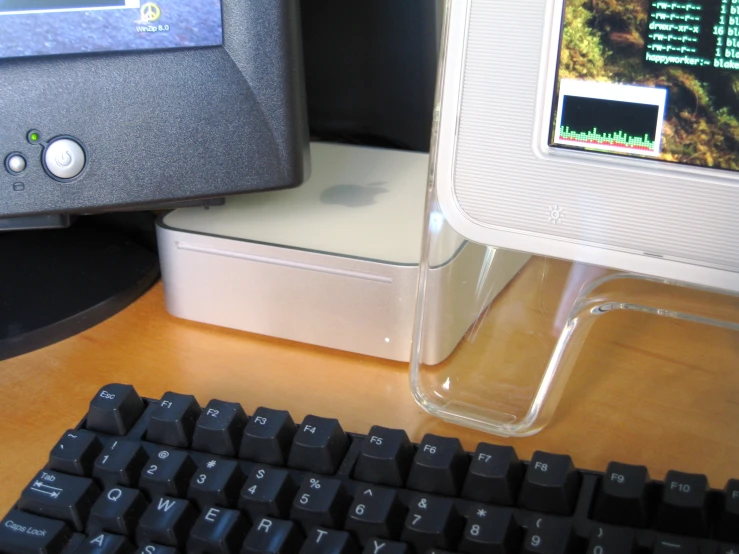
(353, 196)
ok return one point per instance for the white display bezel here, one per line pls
(448, 120)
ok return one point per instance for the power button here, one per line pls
(64, 158)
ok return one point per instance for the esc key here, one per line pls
(114, 409)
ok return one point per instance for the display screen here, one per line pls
(47, 27)
(651, 79)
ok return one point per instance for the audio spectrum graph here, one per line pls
(610, 117)
(596, 138)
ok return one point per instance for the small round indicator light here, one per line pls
(33, 137)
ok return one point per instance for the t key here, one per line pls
(75, 453)
(551, 484)
(114, 409)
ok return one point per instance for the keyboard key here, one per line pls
(551, 484)
(727, 528)
(376, 512)
(320, 501)
(117, 510)
(682, 509)
(327, 541)
(219, 428)
(120, 463)
(272, 536)
(490, 530)
(268, 492)
(151, 548)
(319, 446)
(114, 409)
(167, 473)
(674, 545)
(166, 521)
(60, 496)
(548, 536)
(611, 540)
(432, 522)
(439, 466)
(216, 482)
(105, 543)
(173, 420)
(385, 457)
(494, 476)
(267, 437)
(75, 453)
(22, 533)
(218, 531)
(382, 546)
(622, 496)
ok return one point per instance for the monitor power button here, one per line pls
(64, 158)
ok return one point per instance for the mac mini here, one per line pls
(333, 263)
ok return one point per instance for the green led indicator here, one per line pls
(34, 137)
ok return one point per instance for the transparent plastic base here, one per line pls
(508, 373)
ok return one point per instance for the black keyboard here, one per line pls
(166, 476)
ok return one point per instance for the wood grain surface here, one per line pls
(659, 393)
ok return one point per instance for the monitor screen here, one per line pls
(650, 78)
(46, 27)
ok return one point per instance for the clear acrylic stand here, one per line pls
(508, 373)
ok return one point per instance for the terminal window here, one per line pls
(650, 78)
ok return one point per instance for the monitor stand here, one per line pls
(57, 283)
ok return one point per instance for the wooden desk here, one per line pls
(665, 396)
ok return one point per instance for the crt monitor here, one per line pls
(121, 104)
